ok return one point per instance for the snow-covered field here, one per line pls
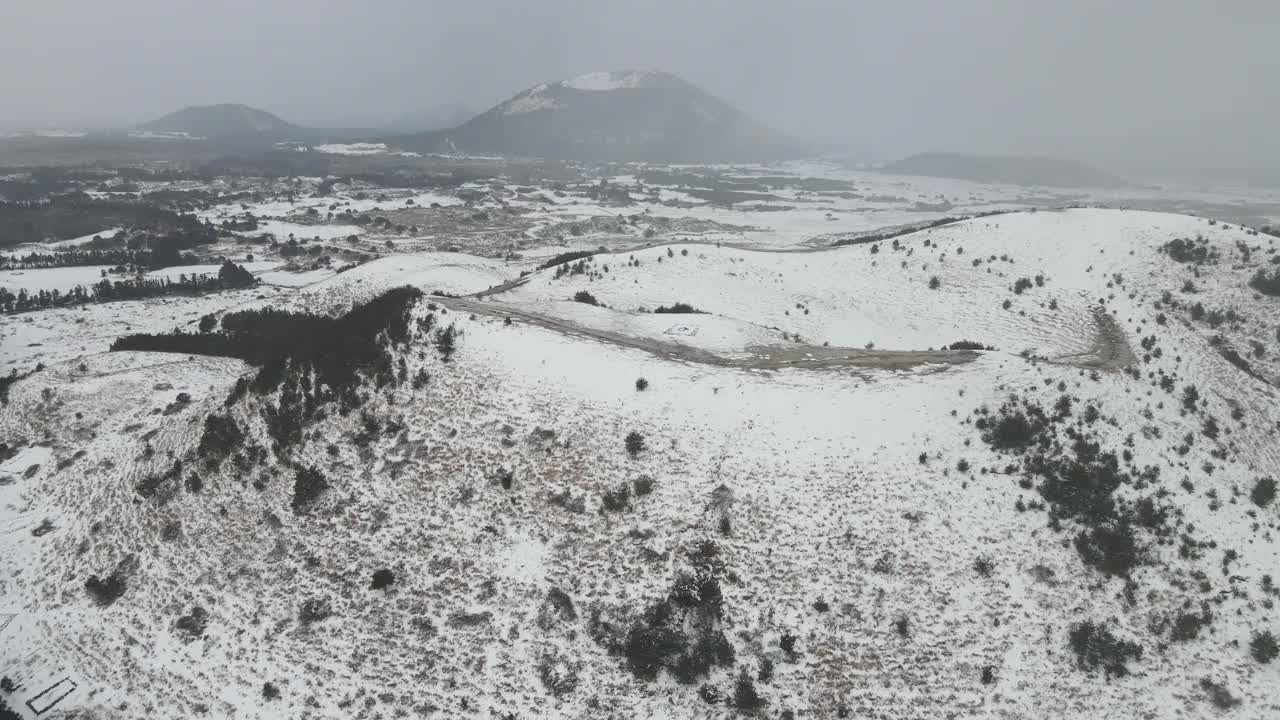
(873, 555)
(61, 279)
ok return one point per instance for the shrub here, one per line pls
(557, 676)
(643, 485)
(1218, 694)
(270, 691)
(1266, 284)
(314, 610)
(616, 499)
(583, 296)
(634, 443)
(967, 345)
(788, 644)
(679, 309)
(1111, 548)
(1094, 646)
(446, 341)
(1186, 626)
(193, 624)
(745, 697)
(221, 437)
(1263, 647)
(934, 283)
(382, 578)
(1184, 250)
(308, 485)
(106, 591)
(765, 674)
(641, 384)
(1264, 491)
(1190, 398)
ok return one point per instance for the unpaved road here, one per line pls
(759, 357)
(1109, 350)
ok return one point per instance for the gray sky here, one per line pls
(1132, 85)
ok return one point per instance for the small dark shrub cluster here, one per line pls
(634, 443)
(585, 297)
(1264, 491)
(106, 591)
(682, 632)
(308, 485)
(1218, 694)
(557, 676)
(679, 309)
(382, 578)
(616, 499)
(745, 696)
(1185, 250)
(1095, 647)
(967, 345)
(1266, 284)
(221, 437)
(193, 624)
(314, 610)
(1263, 647)
(1186, 626)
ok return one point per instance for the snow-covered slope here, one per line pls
(854, 541)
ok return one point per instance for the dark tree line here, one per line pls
(230, 276)
(123, 260)
(310, 359)
(76, 214)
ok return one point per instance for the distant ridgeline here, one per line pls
(230, 276)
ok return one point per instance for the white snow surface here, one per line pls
(352, 148)
(612, 80)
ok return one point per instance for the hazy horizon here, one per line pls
(1141, 88)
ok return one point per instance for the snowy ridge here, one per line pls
(613, 80)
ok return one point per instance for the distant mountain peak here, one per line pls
(616, 80)
(220, 119)
(629, 114)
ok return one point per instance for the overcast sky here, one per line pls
(1127, 84)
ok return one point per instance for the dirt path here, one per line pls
(759, 357)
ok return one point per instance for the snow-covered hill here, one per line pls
(219, 121)
(1076, 523)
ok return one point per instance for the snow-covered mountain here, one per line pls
(218, 121)
(1019, 465)
(642, 115)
